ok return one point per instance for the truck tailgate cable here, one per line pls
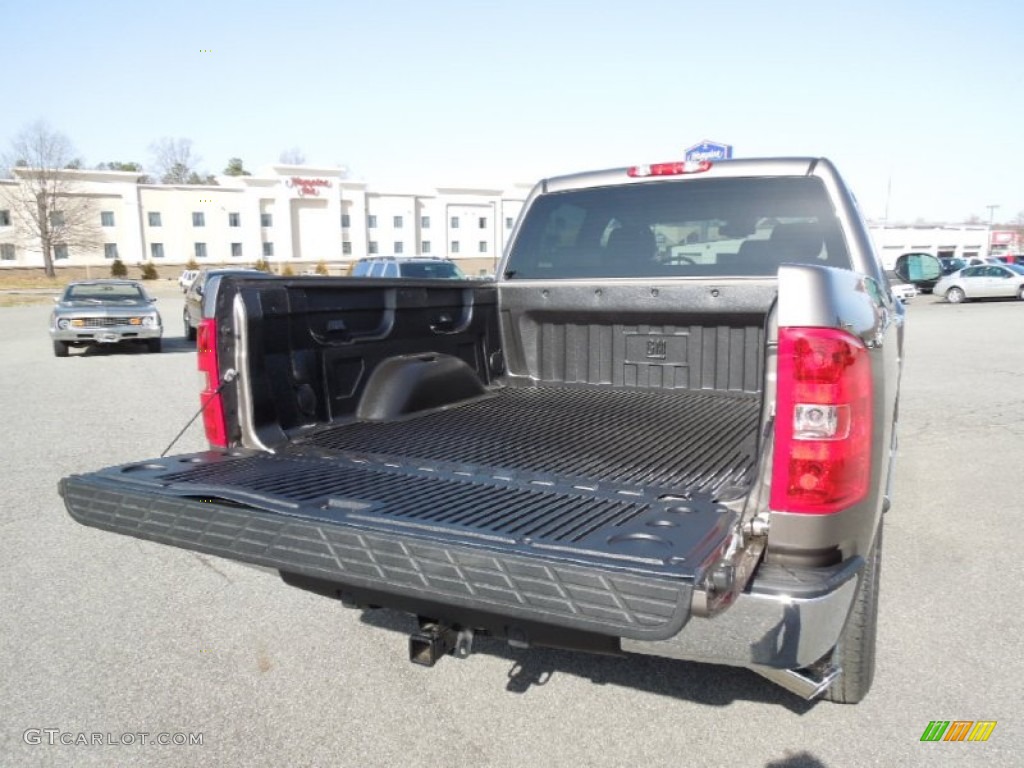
(229, 376)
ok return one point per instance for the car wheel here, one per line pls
(855, 651)
(60, 348)
(154, 345)
(190, 332)
(955, 295)
(1020, 293)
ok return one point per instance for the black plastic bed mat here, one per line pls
(703, 442)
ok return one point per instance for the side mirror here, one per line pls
(918, 267)
(152, 299)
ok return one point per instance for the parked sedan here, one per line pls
(982, 282)
(95, 312)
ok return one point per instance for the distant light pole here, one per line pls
(991, 214)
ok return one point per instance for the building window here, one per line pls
(154, 219)
(56, 218)
(6, 251)
(266, 220)
(455, 222)
(483, 222)
(346, 220)
(346, 249)
(234, 220)
(200, 250)
(425, 247)
(398, 222)
(399, 246)
(455, 246)
(268, 249)
(373, 246)
(106, 218)
(371, 222)
(198, 219)
(60, 252)
(110, 250)
(509, 222)
(156, 250)
(425, 222)
(236, 250)
(5, 218)
(482, 247)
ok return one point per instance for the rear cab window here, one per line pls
(696, 228)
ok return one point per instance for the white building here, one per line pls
(299, 215)
(961, 241)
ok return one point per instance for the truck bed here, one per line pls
(590, 499)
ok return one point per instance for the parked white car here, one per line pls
(985, 281)
(904, 291)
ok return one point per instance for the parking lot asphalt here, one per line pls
(105, 634)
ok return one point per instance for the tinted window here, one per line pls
(440, 269)
(691, 228)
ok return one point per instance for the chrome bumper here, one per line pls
(773, 625)
(107, 335)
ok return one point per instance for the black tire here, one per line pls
(154, 345)
(955, 295)
(855, 651)
(1020, 293)
(60, 348)
(190, 332)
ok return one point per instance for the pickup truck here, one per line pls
(667, 427)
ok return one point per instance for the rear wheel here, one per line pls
(955, 295)
(60, 348)
(1020, 293)
(855, 651)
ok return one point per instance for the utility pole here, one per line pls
(991, 214)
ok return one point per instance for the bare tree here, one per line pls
(174, 162)
(45, 201)
(292, 156)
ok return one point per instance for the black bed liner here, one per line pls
(698, 441)
(500, 503)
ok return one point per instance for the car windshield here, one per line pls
(112, 292)
(441, 269)
(1015, 268)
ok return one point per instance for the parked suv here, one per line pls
(413, 266)
(202, 294)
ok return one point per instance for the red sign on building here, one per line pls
(308, 187)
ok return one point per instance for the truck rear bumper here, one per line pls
(787, 620)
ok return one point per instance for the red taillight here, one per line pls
(822, 458)
(213, 406)
(670, 169)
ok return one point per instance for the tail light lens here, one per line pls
(213, 406)
(822, 457)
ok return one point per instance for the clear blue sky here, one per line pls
(925, 94)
